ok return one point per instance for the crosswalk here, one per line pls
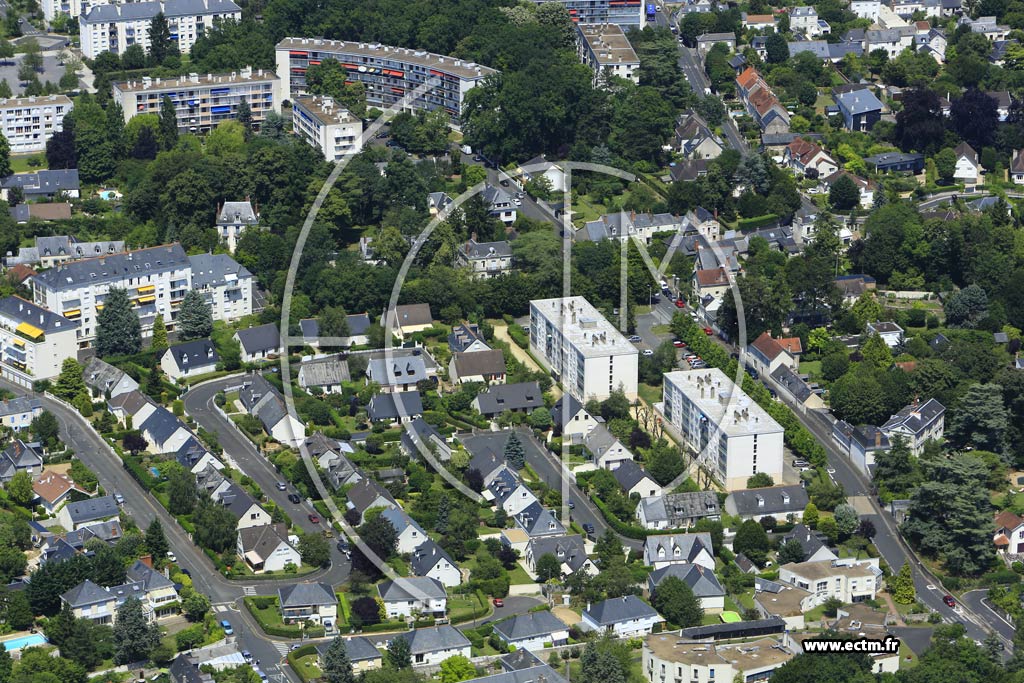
(249, 590)
(282, 648)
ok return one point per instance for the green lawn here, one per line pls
(812, 368)
(649, 393)
(19, 164)
(519, 576)
(815, 614)
(307, 667)
(463, 606)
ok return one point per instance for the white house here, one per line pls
(662, 551)
(1017, 167)
(263, 401)
(854, 582)
(677, 510)
(407, 596)
(701, 580)
(634, 479)
(625, 617)
(779, 502)
(192, 358)
(431, 561)
(918, 423)
(105, 380)
(164, 433)
(431, 646)
(571, 419)
(891, 333)
(532, 631)
(509, 492)
(410, 534)
(74, 516)
(311, 601)
(605, 447)
(259, 343)
(968, 169)
(268, 548)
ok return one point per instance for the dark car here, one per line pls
(572, 505)
(589, 528)
(343, 546)
(950, 602)
(294, 498)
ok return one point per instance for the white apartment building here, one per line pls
(866, 9)
(156, 280)
(734, 436)
(34, 342)
(28, 122)
(201, 102)
(388, 73)
(115, 28)
(224, 283)
(606, 50)
(843, 579)
(330, 128)
(582, 349)
(669, 659)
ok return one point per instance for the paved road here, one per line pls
(694, 72)
(513, 605)
(978, 602)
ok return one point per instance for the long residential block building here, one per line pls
(624, 13)
(34, 342)
(115, 28)
(156, 280)
(734, 436)
(324, 125)
(582, 349)
(389, 73)
(202, 101)
(28, 122)
(606, 50)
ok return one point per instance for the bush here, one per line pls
(519, 336)
(190, 637)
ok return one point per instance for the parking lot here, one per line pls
(52, 70)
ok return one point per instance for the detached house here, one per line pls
(891, 333)
(918, 423)
(1009, 533)
(537, 521)
(1017, 167)
(85, 513)
(262, 400)
(18, 413)
(775, 501)
(570, 551)
(361, 651)
(860, 109)
(326, 374)
(486, 259)
(852, 582)
(410, 534)
(19, 457)
(53, 489)
(661, 551)
(815, 549)
(420, 435)
(571, 420)
(517, 398)
(163, 431)
(605, 447)
(244, 507)
(866, 188)
(259, 343)
(466, 338)
(192, 358)
(694, 138)
(532, 631)
(509, 493)
(401, 373)
(396, 408)
(487, 367)
(312, 601)
(634, 479)
(701, 580)
(626, 617)
(431, 646)
(367, 494)
(968, 169)
(809, 159)
(268, 548)
(431, 561)
(105, 380)
(414, 595)
(408, 319)
(768, 354)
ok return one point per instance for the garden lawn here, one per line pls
(307, 667)
(812, 368)
(648, 393)
(463, 606)
(519, 576)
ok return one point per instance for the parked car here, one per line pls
(226, 625)
(708, 331)
(589, 529)
(800, 463)
(294, 498)
(119, 499)
(281, 486)
(635, 338)
(647, 352)
(247, 656)
(171, 556)
(314, 518)
(498, 602)
(680, 303)
(572, 505)
(679, 344)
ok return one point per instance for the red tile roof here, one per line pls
(769, 347)
(1008, 520)
(712, 277)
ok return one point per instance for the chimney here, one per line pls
(878, 438)
(147, 560)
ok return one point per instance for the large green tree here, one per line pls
(156, 541)
(168, 124)
(752, 541)
(981, 419)
(70, 383)
(118, 331)
(195, 319)
(134, 634)
(337, 668)
(674, 600)
(398, 655)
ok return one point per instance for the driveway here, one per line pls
(513, 605)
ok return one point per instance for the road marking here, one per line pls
(249, 590)
(282, 648)
(220, 608)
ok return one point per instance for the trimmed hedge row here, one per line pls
(281, 630)
(757, 222)
(298, 653)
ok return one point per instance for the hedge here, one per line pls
(281, 631)
(519, 336)
(298, 653)
(475, 614)
(757, 222)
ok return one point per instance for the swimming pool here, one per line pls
(107, 195)
(24, 641)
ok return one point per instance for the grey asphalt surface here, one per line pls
(514, 604)
(694, 72)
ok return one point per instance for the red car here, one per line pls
(950, 602)
(680, 303)
(679, 344)
(314, 518)
(498, 602)
(708, 331)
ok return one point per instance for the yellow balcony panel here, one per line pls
(147, 299)
(30, 331)
(146, 289)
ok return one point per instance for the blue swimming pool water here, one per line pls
(154, 471)
(107, 195)
(24, 641)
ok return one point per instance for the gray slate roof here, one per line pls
(746, 502)
(302, 594)
(426, 556)
(411, 588)
(195, 353)
(161, 425)
(701, 580)
(484, 363)
(629, 474)
(915, 419)
(529, 625)
(19, 404)
(569, 550)
(44, 182)
(23, 311)
(387, 406)
(260, 338)
(233, 213)
(436, 639)
(364, 492)
(676, 508)
(358, 649)
(215, 270)
(101, 376)
(502, 397)
(689, 545)
(86, 593)
(618, 610)
(92, 509)
(102, 14)
(324, 372)
(539, 521)
(858, 102)
(404, 370)
(115, 267)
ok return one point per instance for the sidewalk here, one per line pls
(520, 354)
(893, 612)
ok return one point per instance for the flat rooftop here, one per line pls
(609, 44)
(725, 404)
(197, 80)
(42, 101)
(785, 603)
(430, 60)
(756, 654)
(324, 109)
(584, 327)
(824, 570)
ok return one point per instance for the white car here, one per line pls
(647, 352)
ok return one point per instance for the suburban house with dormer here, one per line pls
(661, 551)
(625, 617)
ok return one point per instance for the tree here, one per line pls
(58, 629)
(379, 534)
(847, 519)
(366, 610)
(118, 331)
(60, 150)
(752, 541)
(245, 117)
(901, 586)
(215, 526)
(665, 462)
(181, 491)
(228, 138)
(5, 157)
(981, 419)
(514, 453)
(975, 117)
(875, 352)
(19, 488)
(159, 342)
(919, 125)
(398, 655)
(168, 124)
(156, 541)
(540, 419)
(548, 567)
(966, 307)
(195, 319)
(675, 601)
(195, 605)
(945, 164)
(844, 194)
(314, 550)
(608, 549)
(70, 383)
(777, 49)
(160, 41)
(337, 668)
(457, 668)
(134, 634)
(760, 480)
(791, 551)
(602, 661)
(17, 610)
